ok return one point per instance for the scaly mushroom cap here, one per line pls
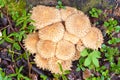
(54, 66)
(68, 11)
(31, 41)
(52, 32)
(65, 50)
(41, 62)
(93, 39)
(43, 16)
(70, 37)
(78, 25)
(46, 48)
(80, 47)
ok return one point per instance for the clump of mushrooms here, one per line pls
(59, 37)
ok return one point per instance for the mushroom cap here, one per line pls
(46, 48)
(31, 41)
(65, 50)
(68, 11)
(54, 66)
(80, 47)
(70, 37)
(41, 62)
(78, 25)
(93, 39)
(77, 55)
(52, 32)
(43, 16)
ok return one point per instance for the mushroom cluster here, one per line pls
(59, 37)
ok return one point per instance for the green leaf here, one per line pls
(66, 72)
(2, 41)
(96, 54)
(43, 77)
(87, 61)
(9, 40)
(84, 53)
(117, 29)
(60, 66)
(4, 33)
(95, 61)
(16, 46)
(106, 24)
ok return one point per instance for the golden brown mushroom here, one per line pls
(65, 50)
(43, 16)
(41, 62)
(70, 37)
(93, 39)
(31, 41)
(54, 66)
(68, 11)
(78, 25)
(52, 32)
(77, 55)
(46, 48)
(80, 47)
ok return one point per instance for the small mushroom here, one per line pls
(68, 11)
(53, 64)
(46, 48)
(52, 32)
(43, 16)
(41, 62)
(65, 50)
(77, 55)
(31, 41)
(93, 39)
(70, 37)
(78, 25)
(80, 47)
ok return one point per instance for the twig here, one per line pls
(4, 27)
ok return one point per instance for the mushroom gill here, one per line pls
(44, 15)
(30, 42)
(70, 37)
(53, 64)
(52, 32)
(78, 25)
(93, 39)
(46, 48)
(65, 50)
(41, 62)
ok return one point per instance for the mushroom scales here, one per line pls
(59, 37)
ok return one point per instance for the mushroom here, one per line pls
(56, 41)
(46, 48)
(41, 62)
(30, 42)
(80, 47)
(65, 50)
(70, 37)
(77, 55)
(54, 67)
(78, 25)
(93, 39)
(43, 16)
(68, 11)
(52, 32)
